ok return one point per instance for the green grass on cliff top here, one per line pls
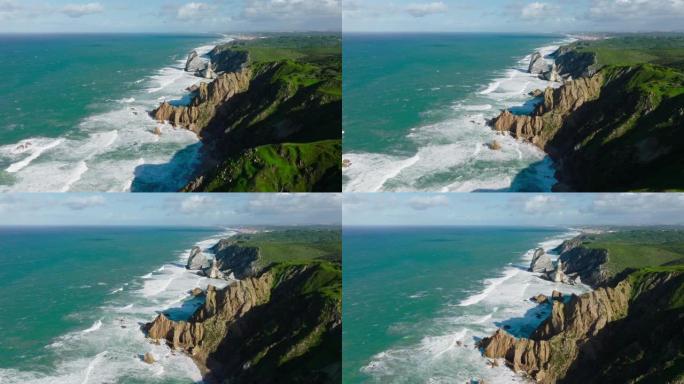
(662, 49)
(294, 167)
(301, 47)
(639, 248)
(295, 245)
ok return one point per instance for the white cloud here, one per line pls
(422, 203)
(78, 10)
(636, 9)
(289, 9)
(425, 9)
(646, 203)
(543, 204)
(195, 204)
(537, 10)
(192, 11)
(270, 203)
(80, 203)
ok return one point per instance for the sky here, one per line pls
(513, 209)
(150, 209)
(168, 16)
(551, 16)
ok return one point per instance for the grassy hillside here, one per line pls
(639, 248)
(626, 50)
(283, 134)
(295, 245)
(630, 137)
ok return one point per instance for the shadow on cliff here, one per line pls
(527, 180)
(647, 343)
(526, 324)
(165, 177)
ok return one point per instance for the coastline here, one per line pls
(501, 300)
(108, 151)
(466, 135)
(112, 347)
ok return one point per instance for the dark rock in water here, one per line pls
(197, 260)
(541, 262)
(536, 93)
(555, 295)
(494, 145)
(194, 63)
(149, 358)
(539, 299)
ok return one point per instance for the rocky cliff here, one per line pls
(268, 123)
(611, 128)
(207, 98)
(242, 261)
(579, 341)
(281, 326)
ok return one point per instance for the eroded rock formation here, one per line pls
(548, 116)
(197, 260)
(538, 64)
(208, 97)
(541, 262)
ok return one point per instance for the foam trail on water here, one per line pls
(103, 152)
(110, 350)
(445, 352)
(445, 160)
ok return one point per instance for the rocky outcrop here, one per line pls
(548, 116)
(588, 263)
(224, 58)
(242, 261)
(208, 97)
(607, 335)
(196, 260)
(554, 345)
(194, 63)
(207, 73)
(541, 262)
(540, 299)
(224, 306)
(567, 245)
(149, 358)
(215, 271)
(573, 63)
(552, 75)
(538, 64)
(266, 329)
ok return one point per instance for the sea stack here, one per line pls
(194, 63)
(541, 262)
(537, 64)
(197, 260)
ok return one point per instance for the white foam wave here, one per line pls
(96, 325)
(36, 151)
(445, 354)
(445, 159)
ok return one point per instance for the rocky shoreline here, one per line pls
(248, 104)
(588, 125)
(257, 328)
(582, 329)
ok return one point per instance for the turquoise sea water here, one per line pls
(74, 111)
(411, 295)
(415, 107)
(74, 298)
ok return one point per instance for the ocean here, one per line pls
(416, 105)
(417, 299)
(74, 299)
(74, 112)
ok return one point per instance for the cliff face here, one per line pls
(208, 97)
(578, 342)
(615, 130)
(277, 327)
(573, 63)
(589, 264)
(558, 104)
(242, 261)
